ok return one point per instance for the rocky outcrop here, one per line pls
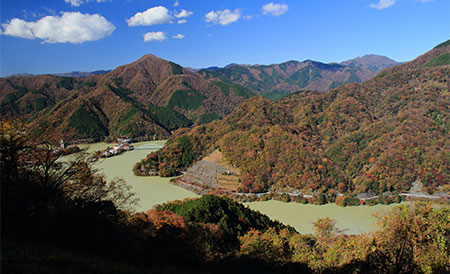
(204, 173)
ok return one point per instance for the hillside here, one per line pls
(149, 97)
(274, 81)
(54, 211)
(381, 135)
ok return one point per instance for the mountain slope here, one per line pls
(274, 81)
(381, 135)
(145, 98)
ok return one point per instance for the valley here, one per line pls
(200, 137)
(373, 140)
(154, 190)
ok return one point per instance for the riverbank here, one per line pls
(155, 190)
(214, 175)
(207, 178)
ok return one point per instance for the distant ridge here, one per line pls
(81, 73)
(277, 80)
(67, 74)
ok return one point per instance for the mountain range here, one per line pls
(152, 97)
(379, 136)
(81, 73)
(277, 80)
(147, 98)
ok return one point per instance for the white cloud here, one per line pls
(182, 21)
(77, 3)
(176, 4)
(424, 1)
(183, 14)
(178, 36)
(275, 9)
(224, 17)
(382, 4)
(152, 16)
(155, 36)
(70, 27)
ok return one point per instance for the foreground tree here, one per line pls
(38, 182)
(413, 238)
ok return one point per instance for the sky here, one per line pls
(55, 36)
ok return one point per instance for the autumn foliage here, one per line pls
(202, 235)
(378, 136)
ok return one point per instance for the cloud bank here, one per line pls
(70, 27)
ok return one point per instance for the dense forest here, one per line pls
(59, 215)
(378, 136)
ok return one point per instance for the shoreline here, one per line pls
(303, 198)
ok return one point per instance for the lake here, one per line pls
(353, 220)
(150, 190)
(156, 190)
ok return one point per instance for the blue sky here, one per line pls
(50, 36)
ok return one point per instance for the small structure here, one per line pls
(127, 147)
(116, 150)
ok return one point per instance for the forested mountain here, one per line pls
(145, 98)
(53, 212)
(274, 81)
(381, 135)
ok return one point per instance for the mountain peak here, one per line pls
(231, 65)
(371, 60)
(148, 60)
(149, 56)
